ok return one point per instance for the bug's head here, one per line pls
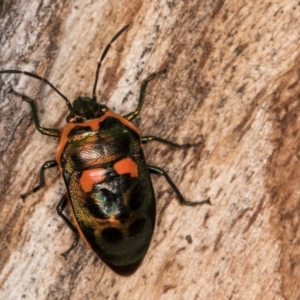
(84, 109)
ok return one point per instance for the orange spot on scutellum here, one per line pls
(113, 219)
(126, 166)
(90, 177)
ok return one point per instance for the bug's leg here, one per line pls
(47, 131)
(47, 165)
(149, 138)
(159, 171)
(143, 90)
(59, 208)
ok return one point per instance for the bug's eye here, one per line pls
(79, 130)
(72, 118)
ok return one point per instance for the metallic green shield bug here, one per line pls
(108, 182)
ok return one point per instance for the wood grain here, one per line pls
(233, 78)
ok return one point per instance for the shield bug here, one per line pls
(108, 182)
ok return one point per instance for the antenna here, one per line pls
(42, 79)
(102, 57)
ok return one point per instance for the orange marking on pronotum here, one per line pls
(125, 166)
(90, 177)
(95, 124)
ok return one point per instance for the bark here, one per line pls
(233, 78)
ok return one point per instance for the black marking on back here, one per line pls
(137, 227)
(112, 235)
(136, 197)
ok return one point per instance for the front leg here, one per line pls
(43, 130)
(143, 90)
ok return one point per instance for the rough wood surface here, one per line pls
(233, 77)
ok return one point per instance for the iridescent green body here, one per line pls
(117, 216)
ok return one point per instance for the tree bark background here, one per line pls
(233, 77)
